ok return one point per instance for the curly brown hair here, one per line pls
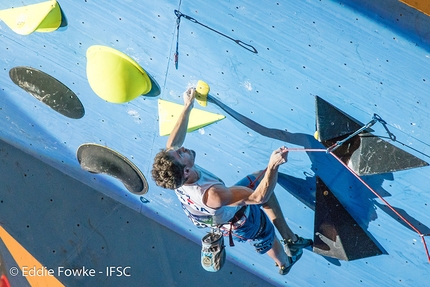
(166, 171)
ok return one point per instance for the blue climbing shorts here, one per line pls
(257, 228)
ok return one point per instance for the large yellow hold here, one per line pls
(40, 17)
(114, 76)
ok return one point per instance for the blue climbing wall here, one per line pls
(363, 57)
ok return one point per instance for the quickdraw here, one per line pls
(179, 15)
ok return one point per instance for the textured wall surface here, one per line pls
(65, 224)
(363, 57)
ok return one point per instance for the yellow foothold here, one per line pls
(316, 135)
(202, 91)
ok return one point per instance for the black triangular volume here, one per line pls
(336, 233)
(331, 122)
(376, 156)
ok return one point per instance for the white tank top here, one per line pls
(191, 198)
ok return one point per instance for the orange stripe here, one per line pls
(421, 5)
(25, 260)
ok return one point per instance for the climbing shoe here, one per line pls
(284, 269)
(295, 248)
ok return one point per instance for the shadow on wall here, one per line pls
(400, 17)
(356, 198)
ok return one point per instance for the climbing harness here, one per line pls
(178, 21)
(240, 214)
(237, 216)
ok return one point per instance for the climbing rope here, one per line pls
(376, 118)
(239, 118)
(330, 150)
(389, 206)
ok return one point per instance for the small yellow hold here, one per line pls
(202, 91)
(316, 135)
